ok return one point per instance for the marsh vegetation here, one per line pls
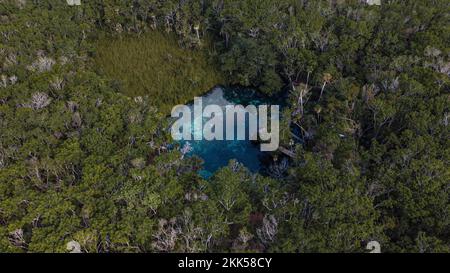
(155, 65)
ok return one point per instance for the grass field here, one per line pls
(154, 65)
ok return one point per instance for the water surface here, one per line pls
(218, 153)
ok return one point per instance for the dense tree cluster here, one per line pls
(367, 118)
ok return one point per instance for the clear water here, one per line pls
(218, 153)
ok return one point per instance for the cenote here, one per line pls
(148, 64)
(218, 153)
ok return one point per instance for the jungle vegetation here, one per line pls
(84, 159)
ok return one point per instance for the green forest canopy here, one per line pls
(80, 161)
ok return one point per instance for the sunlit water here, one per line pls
(218, 153)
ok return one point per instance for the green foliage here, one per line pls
(367, 117)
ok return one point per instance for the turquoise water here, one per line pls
(218, 153)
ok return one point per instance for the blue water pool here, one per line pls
(218, 153)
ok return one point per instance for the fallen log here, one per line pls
(287, 152)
